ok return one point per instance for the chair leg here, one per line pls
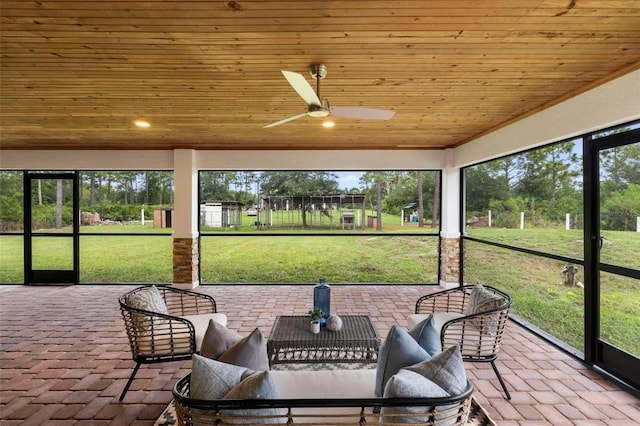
(504, 386)
(126, 388)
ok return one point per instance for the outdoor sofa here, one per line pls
(414, 381)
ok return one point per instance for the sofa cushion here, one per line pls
(217, 340)
(398, 350)
(339, 383)
(427, 336)
(249, 352)
(440, 376)
(323, 384)
(211, 379)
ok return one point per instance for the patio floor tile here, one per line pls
(65, 357)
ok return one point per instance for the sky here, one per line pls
(348, 179)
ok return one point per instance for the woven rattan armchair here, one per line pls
(172, 335)
(478, 334)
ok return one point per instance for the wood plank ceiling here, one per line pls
(76, 74)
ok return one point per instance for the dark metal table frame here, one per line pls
(291, 341)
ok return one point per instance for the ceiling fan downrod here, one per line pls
(318, 72)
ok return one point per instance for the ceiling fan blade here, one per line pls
(286, 120)
(363, 113)
(304, 89)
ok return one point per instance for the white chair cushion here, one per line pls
(438, 319)
(201, 323)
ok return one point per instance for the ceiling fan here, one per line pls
(319, 107)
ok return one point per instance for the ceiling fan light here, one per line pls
(318, 113)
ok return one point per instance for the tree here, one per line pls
(59, 201)
(379, 205)
(420, 200)
(299, 183)
(11, 200)
(483, 184)
(548, 175)
(621, 166)
(620, 210)
(435, 211)
(213, 186)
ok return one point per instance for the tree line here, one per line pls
(545, 182)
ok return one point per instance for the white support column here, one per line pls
(185, 222)
(450, 230)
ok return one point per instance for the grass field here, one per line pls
(535, 283)
(538, 291)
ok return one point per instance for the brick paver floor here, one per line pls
(65, 357)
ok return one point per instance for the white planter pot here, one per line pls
(315, 327)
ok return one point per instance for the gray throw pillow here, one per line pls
(398, 350)
(211, 379)
(217, 340)
(445, 370)
(408, 384)
(249, 352)
(259, 385)
(440, 376)
(427, 336)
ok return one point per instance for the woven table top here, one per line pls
(291, 340)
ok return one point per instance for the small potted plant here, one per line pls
(314, 315)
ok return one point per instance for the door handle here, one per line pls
(600, 240)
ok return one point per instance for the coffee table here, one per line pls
(291, 341)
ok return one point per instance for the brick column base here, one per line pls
(185, 263)
(450, 262)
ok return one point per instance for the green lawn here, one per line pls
(535, 283)
(537, 288)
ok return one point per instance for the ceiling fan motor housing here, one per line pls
(319, 110)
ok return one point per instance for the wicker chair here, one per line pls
(479, 335)
(159, 337)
